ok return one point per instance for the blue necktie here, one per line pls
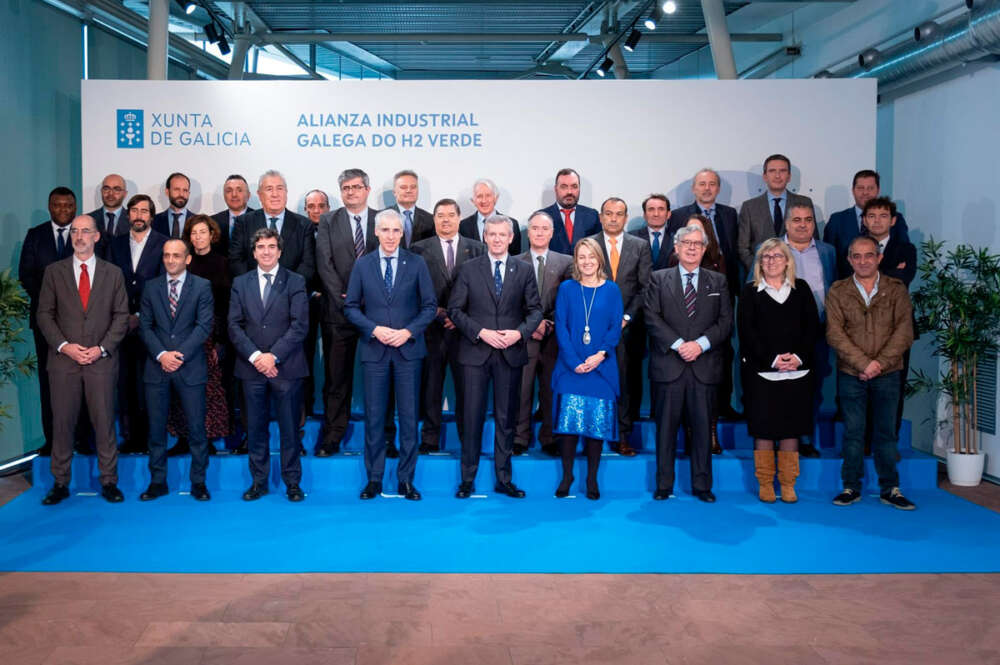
(274, 223)
(388, 274)
(656, 245)
(61, 244)
(497, 279)
(267, 289)
(408, 226)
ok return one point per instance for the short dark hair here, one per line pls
(857, 239)
(777, 157)
(567, 171)
(659, 197)
(185, 243)
(265, 234)
(176, 174)
(447, 202)
(235, 176)
(62, 191)
(867, 173)
(880, 202)
(139, 198)
(193, 220)
(611, 199)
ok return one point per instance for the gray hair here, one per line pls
(718, 180)
(499, 219)
(351, 174)
(489, 183)
(405, 172)
(317, 191)
(685, 231)
(544, 215)
(388, 213)
(271, 173)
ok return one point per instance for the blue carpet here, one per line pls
(624, 532)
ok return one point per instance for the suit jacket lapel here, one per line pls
(490, 282)
(512, 267)
(276, 287)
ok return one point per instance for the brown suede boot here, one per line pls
(763, 465)
(788, 471)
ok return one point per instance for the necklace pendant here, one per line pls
(586, 334)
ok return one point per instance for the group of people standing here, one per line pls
(190, 315)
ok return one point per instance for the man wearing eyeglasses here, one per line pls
(111, 218)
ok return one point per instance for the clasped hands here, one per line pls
(82, 355)
(266, 364)
(590, 364)
(500, 339)
(689, 351)
(873, 369)
(787, 362)
(391, 336)
(171, 361)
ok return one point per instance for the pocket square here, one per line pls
(712, 294)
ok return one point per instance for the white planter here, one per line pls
(965, 470)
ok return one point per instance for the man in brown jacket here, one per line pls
(869, 325)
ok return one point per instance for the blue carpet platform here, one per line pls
(624, 532)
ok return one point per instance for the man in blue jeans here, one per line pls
(870, 326)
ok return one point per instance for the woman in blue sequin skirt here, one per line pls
(585, 380)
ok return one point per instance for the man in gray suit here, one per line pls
(629, 262)
(551, 268)
(689, 318)
(763, 216)
(83, 314)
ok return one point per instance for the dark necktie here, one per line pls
(497, 279)
(689, 295)
(449, 260)
(61, 244)
(408, 226)
(359, 238)
(274, 223)
(111, 225)
(175, 232)
(541, 273)
(779, 220)
(267, 289)
(172, 297)
(656, 246)
(388, 274)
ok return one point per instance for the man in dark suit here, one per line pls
(656, 213)
(390, 300)
(317, 204)
(494, 303)
(298, 243)
(551, 268)
(688, 316)
(444, 254)
(44, 244)
(175, 319)
(418, 224)
(236, 193)
(845, 225)
(111, 217)
(629, 261)
(83, 315)
(268, 319)
(572, 221)
(140, 257)
(705, 186)
(484, 197)
(170, 222)
(763, 216)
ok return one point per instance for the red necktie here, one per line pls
(568, 223)
(84, 286)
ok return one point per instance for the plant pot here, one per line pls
(965, 469)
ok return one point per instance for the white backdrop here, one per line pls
(626, 138)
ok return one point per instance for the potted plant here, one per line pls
(13, 315)
(958, 305)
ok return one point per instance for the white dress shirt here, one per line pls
(136, 247)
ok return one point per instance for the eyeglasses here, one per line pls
(116, 190)
(690, 244)
(81, 232)
(352, 188)
(773, 257)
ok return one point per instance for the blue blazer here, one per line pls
(842, 228)
(586, 222)
(280, 328)
(411, 305)
(185, 332)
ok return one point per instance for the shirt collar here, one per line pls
(782, 197)
(812, 243)
(180, 278)
(91, 262)
(481, 218)
(273, 271)
(383, 255)
(662, 231)
(535, 255)
(502, 259)
(685, 272)
(878, 278)
(764, 285)
(280, 216)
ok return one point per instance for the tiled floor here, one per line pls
(114, 619)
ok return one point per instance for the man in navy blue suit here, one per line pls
(268, 321)
(572, 221)
(170, 222)
(139, 254)
(846, 225)
(494, 303)
(390, 300)
(175, 319)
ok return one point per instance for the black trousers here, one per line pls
(312, 336)
(442, 353)
(506, 391)
(689, 399)
(134, 418)
(542, 358)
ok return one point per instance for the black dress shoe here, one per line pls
(465, 490)
(55, 495)
(241, 449)
(211, 449)
(808, 450)
(428, 448)
(111, 493)
(408, 491)
(154, 491)
(563, 490)
(295, 493)
(371, 490)
(519, 449)
(255, 492)
(326, 449)
(510, 489)
(391, 451)
(661, 495)
(626, 450)
(179, 448)
(131, 447)
(199, 492)
(705, 495)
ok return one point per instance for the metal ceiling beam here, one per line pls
(718, 39)
(490, 37)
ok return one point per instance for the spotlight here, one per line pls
(632, 39)
(217, 35)
(925, 30)
(223, 45)
(669, 7)
(605, 67)
(868, 58)
(188, 7)
(654, 17)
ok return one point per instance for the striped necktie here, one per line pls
(172, 298)
(689, 294)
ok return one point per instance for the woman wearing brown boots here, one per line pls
(777, 325)
(585, 380)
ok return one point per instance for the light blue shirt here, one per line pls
(503, 265)
(180, 283)
(395, 263)
(864, 294)
(782, 201)
(279, 224)
(481, 224)
(809, 268)
(710, 213)
(860, 213)
(702, 341)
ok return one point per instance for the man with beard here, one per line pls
(170, 222)
(140, 257)
(572, 221)
(484, 196)
(111, 218)
(236, 193)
